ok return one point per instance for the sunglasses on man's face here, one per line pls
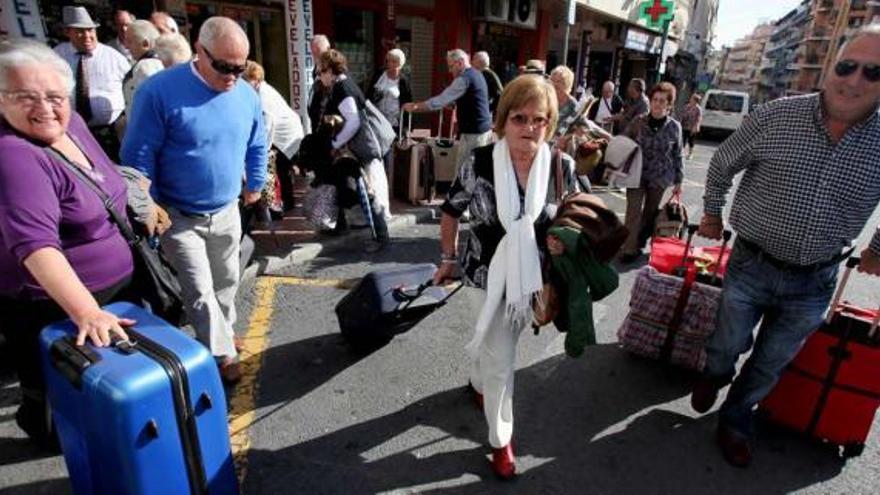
(846, 68)
(224, 68)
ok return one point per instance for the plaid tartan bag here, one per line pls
(672, 314)
(650, 327)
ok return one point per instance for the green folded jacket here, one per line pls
(579, 280)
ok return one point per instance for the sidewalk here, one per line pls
(296, 241)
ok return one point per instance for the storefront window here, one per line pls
(355, 36)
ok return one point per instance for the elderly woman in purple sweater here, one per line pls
(60, 255)
(659, 136)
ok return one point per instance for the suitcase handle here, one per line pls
(851, 262)
(403, 115)
(691, 230)
(71, 360)
(408, 295)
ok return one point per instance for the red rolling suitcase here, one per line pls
(831, 389)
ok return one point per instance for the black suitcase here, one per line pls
(389, 302)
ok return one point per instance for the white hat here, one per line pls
(77, 17)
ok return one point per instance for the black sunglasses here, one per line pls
(846, 68)
(224, 67)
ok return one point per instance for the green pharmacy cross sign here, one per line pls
(656, 12)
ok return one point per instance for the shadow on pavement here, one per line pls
(59, 486)
(296, 368)
(580, 428)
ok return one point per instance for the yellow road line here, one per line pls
(336, 283)
(244, 398)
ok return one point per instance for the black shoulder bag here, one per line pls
(154, 279)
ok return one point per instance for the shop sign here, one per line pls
(656, 13)
(641, 41)
(21, 19)
(298, 19)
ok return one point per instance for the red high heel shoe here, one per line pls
(503, 462)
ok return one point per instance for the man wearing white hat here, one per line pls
(99, 71)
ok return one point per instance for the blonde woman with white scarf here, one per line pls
(510, 189)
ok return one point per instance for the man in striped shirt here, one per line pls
(811, 181)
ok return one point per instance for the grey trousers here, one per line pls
(641, 211)
(467, 143)
(204, 251)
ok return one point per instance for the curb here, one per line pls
(263, 264)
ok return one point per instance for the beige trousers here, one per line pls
(641, 211)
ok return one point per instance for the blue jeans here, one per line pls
(790, 306)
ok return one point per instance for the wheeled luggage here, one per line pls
(145, 416)
(831, 390)
(444, 151)
(413, 175)
(667, 252)
(672, 315)
(388, 302)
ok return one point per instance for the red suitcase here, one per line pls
(831, 389)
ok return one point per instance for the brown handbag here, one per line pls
(589, 214)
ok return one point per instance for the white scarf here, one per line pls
(515, 269)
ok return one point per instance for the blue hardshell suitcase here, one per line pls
(147, 416)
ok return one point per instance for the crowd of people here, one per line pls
(149, 102)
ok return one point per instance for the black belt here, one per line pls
(785, 266)
(198, 216)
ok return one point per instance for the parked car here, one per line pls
(723, 111)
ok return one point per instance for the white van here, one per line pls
(723, 110)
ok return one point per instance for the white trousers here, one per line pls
(204, 251)
(493, 369)
(378, 180)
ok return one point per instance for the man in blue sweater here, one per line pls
(195, 131)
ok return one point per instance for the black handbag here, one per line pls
(154, 279)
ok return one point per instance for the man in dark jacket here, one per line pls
(493, 83)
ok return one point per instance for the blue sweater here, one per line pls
(195, 143)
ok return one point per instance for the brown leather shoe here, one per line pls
(703, 395)
(230, 371)
(734, 446)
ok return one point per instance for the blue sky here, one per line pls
(736, 18)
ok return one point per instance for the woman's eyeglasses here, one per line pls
(538, 121)
(33, 98)
(846, 68)
(224, 67)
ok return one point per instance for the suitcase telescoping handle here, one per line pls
(404, 117)
(451, 138)
(409, 294)
(851, 262)
(691, 230)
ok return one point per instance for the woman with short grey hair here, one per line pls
(389, 89)
(140, 39)
(173, 49)
(60, 254)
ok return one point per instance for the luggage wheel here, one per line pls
(853, 450)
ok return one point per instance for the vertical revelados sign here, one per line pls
(298, 19)
(21, 19)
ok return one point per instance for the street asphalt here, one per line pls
(313, 416)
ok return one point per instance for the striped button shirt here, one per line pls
(803, 198)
